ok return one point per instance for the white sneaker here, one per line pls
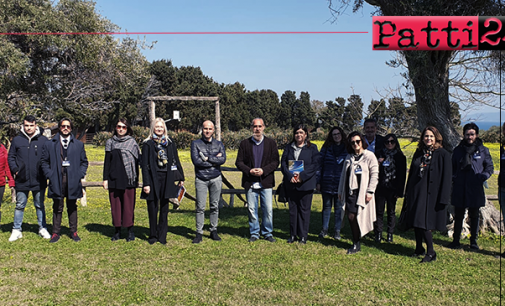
(16, 234)
(44, 233)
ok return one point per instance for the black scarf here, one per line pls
(426, 160)
(470, 149)
(390, 170)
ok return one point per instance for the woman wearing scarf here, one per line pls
(357, 187)
(392, 175)
(160, 169)
(121, 176)
(333, 154)
(428, 191)
(472, 165)
(301, 182)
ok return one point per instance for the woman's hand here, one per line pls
(106, 184)
(181, 183)
(369, 197)
(147, 189)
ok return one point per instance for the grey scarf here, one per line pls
(130, 153)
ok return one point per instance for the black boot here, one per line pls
(378, 237)
(356, 247)
(390, 238)
(117, 234)
(198, 238)
(131, 235)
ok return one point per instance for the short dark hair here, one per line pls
(129, 131)
(303, 127)
(364, 144)
(30, 118)
(370, 120)
(66, 119)
(395, 139)
(471, 126)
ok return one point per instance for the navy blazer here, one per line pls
(311, 159)
(51, 167)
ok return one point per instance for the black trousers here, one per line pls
(58, 210)
(158, 229)
(381, 198)
(459, 214)
(300, 203)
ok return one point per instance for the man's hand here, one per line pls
(256, 171)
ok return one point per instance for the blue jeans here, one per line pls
(213, 186)
(38, 201)
(253, 195)
(501, 198)
(329, 201)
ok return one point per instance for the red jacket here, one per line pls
(4, 168)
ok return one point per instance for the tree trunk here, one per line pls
(429, 74)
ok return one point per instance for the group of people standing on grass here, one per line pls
(360, 174)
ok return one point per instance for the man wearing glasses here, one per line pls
(64, 164)
(24, 162)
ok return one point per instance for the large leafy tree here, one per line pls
(353, 113)
(428, 71)
(332, 114)
(85, 77)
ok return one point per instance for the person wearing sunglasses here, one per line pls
(121, 177)
(472, 165)
(64, 164)
(333, 154)
(392, 175)
(357, 187)
(428, 192)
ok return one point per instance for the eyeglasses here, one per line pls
(65, 126)
(121, 127)
(389, 142)
(355, 142)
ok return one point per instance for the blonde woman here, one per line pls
(160, 169)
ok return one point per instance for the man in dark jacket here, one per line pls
(208, 155)
(258, 158)
(64, 163)
(472, 165)
(24, 162)
(375, 142)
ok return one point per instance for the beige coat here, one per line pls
(369, 179)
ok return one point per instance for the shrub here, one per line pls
(101, 137)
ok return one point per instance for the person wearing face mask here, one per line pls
(64, 164)
(472, 165)
(392, 175)
(428, 192)
(161, 168)
(121, 177)
(357, 187)
(299, 164)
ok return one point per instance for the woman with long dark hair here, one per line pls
(333, 154)
(428, 191)
(160, 169)
(392, 175)
(121, 177)
(357, 187)
(299, 164)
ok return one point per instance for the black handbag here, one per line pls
(281, 193)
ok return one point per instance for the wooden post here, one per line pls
(152, 113)
(218, 121)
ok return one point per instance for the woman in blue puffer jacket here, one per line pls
(333, 154)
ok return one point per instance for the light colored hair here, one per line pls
(151, 133)
(262, 121)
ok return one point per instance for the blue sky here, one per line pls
(325, 65)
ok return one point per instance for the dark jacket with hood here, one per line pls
(24, 159)
(468, 180)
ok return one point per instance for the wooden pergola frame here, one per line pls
(152, 107)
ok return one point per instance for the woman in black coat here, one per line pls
(472, 165)
(300, 183)
(121, 177)
(428, 191)
(160, 169)
(392, 175)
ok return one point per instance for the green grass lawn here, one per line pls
(97, 271)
